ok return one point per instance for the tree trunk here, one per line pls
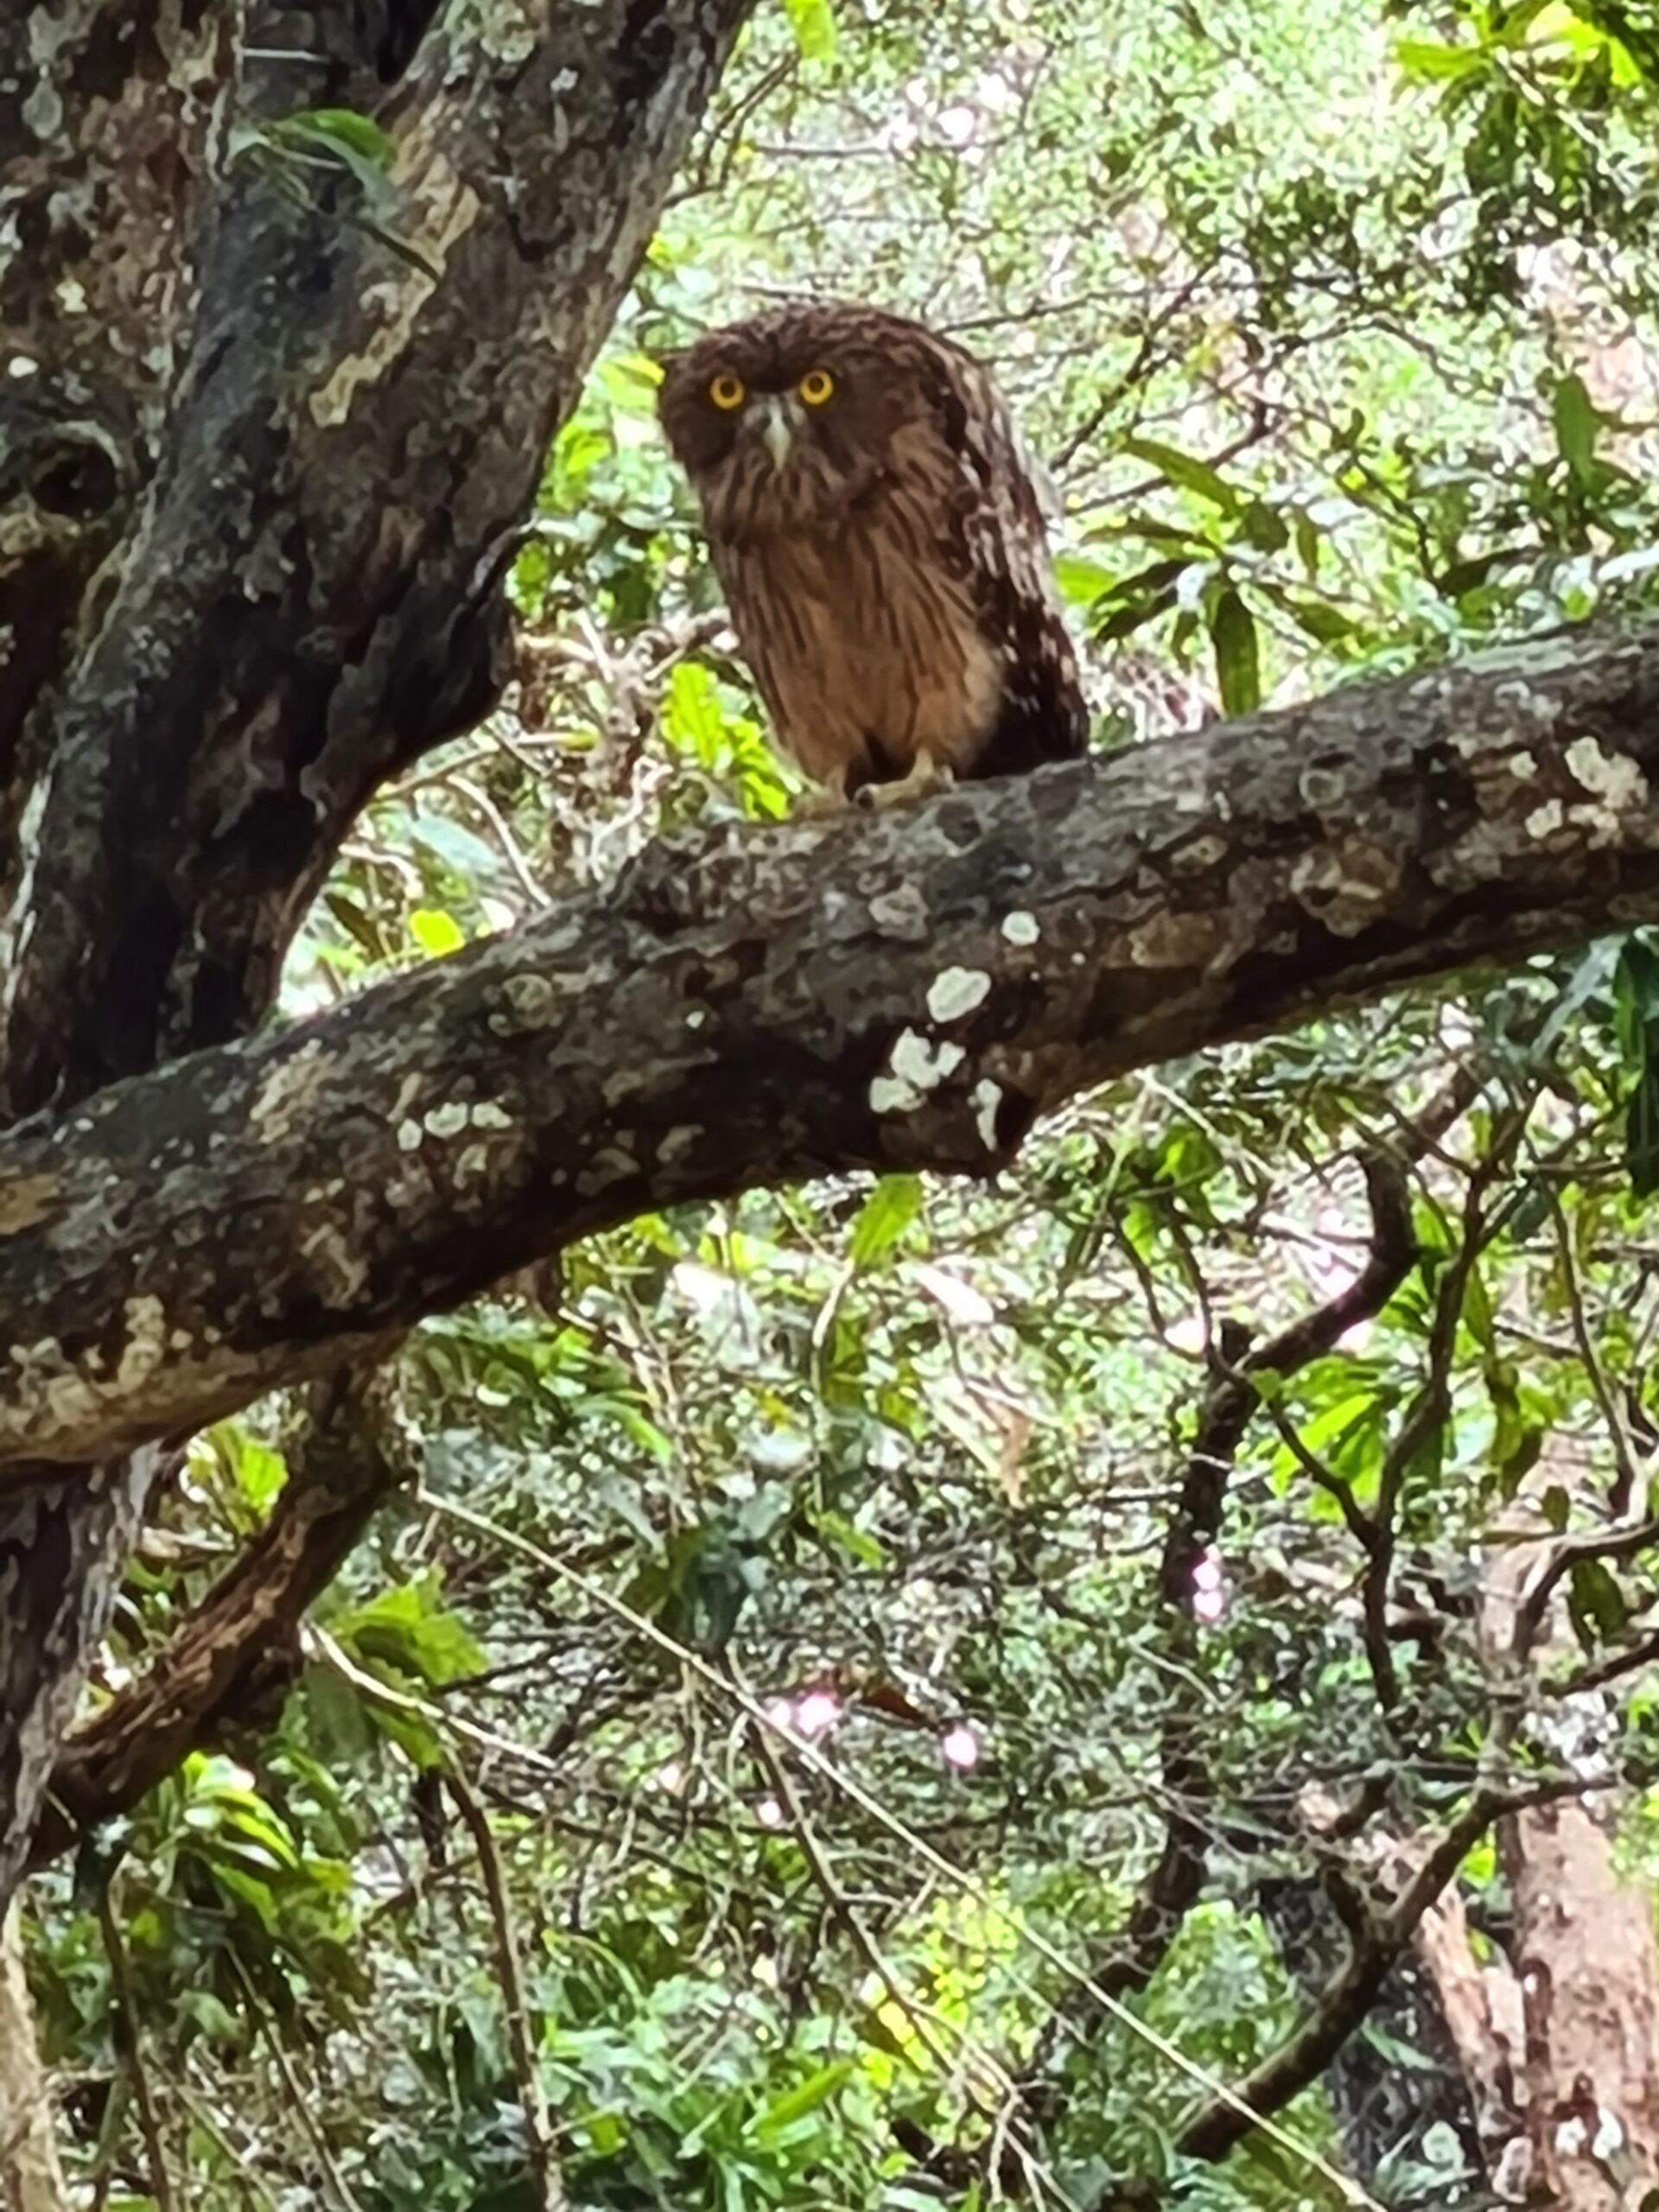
(1584, 1952)
(1561, 2040)
(259, 474)
(30, 2178)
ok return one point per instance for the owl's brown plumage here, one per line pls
(881, 544)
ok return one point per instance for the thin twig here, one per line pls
(1630, 1485)
(299, 2102)
(1570, 1551)
(129, 2044)
(547, 2182)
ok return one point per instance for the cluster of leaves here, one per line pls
(1287, 302)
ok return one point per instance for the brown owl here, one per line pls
(872, 519)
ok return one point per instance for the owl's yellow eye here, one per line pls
(815, 387)
(727, 392)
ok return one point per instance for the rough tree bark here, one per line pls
(31, 2179)
(764, 1004)
(1559, 2033)
(261, 451)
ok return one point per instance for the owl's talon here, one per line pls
(825, 805)
(926, 774)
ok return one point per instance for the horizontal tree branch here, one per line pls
(760, 1004)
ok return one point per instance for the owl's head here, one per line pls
(788, 418)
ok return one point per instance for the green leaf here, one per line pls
(1185, 470)
(884, 1217)
(436, 932)
(1082, 580)
(813, 22)
(1238, 665)
(405, 1628)
(345, 129)
(692, 720)
(806, 2096)
(1477, 1311)
(1423, 63)
(1576, 423)
(1317, 618)
(1635, 1013)
(355, 142)
(858, 1544)
(1595, 1602)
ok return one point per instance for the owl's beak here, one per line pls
(778, 431)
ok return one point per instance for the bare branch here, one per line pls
(546, 2181)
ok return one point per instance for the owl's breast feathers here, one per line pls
(921, 613)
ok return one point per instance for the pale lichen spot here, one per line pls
(1172, 941)
(986, 1098)
(678, 1141)
(1323, 788)
(42, 112)
(473, 1163)
(26, 1200)
(20, 367)
(1521, 703)
(1197, 855)
(1021, 928)
(1544, 821)
(610, 1163)
(447, 1120)
(408, 1136)
(144, 1322)
(1344, 885)
(696, 1017)
(341, 1269)
(955, 991)
(1524, 765)
(1609, 776)
(1610, 2137)
(916, 1064)
(489, 1115)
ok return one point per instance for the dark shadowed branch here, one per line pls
(245, 1631)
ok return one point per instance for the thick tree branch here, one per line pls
(310, 595)
(763, 1005)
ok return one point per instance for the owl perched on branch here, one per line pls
(872, 519)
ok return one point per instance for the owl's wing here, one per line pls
(996, 536)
